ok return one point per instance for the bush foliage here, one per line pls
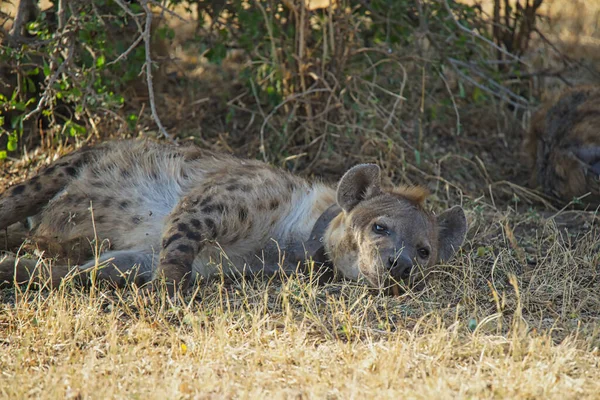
(67, 65)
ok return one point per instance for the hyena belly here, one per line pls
(120, 200)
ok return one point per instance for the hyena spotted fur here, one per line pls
(179, 212)
(563, 145)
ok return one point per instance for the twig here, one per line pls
(140, 30)
(130, 13)
(441, 73)
(399, 97)
(478, 36)
(262, 148)
(33, 42)
(384, 90)
(168, 11)
(566, 58)
(126, 52)
(509, 95)
(524, 192)
(149, 82)
(301, 64)
(268, 117)
(46, 96)
(574, 201)
(60, 14)
(270, 32)
(21, 17)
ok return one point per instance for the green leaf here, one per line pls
(217, 53)
(11, 145)
(14, 121)
(30, 85)
(433, 112)
(417, 157)
(76, 92)
(132, 120)
(229, 116)
(477, 95)
(75, 129)
(100, 61)
(461, 90)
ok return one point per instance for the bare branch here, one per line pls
(503, 93)
(46, 96)
(130, 13)
(566, 60)
(268, 117)
(23, 14)
(478, 36)
(147, 42)
(168, 11)
(137, 40)
(442, 76)
(126, 52)
(61, 14)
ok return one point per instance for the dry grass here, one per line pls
(515, 315)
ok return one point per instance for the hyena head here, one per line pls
(382, 234)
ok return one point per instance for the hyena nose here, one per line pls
(400, 267)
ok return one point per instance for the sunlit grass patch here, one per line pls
(485, 325)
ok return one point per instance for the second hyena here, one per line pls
(563, 145)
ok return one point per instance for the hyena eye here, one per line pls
(381, 229)
(423, 252)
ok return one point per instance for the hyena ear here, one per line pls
(452, 230)
(358, 183)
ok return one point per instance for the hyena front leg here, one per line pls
(200, 219)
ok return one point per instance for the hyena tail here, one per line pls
(28, 198)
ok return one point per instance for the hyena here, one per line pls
(563, 145)
(177, 213)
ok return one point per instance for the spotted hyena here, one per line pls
(181, 212)
(563, 145)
